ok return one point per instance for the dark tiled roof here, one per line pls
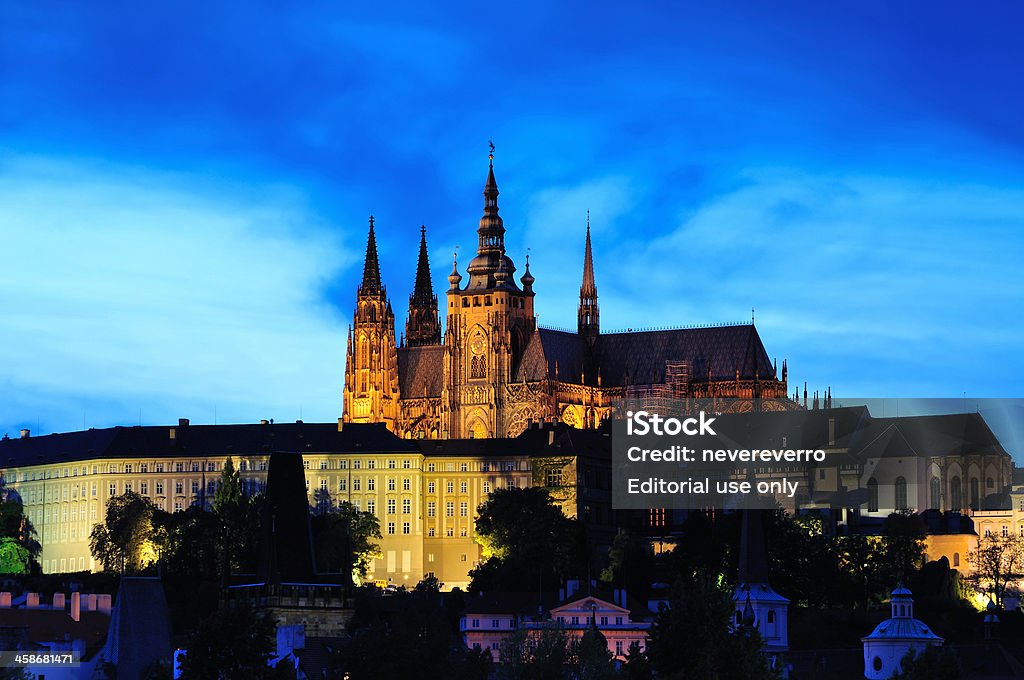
(639, 358)
(420, 371)
(48, 625)
(955, 434)
(199, 440)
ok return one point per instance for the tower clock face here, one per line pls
(476, 345)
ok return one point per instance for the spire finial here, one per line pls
(490, 156)
(751, 316)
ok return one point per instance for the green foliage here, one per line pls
(412, 637)
(234, 642)
(541, 656)
(346, 538)
(903, 545)
(22, 549)
(14, 557)
(125, 540)
(527, 540)
(630, 564)
(592, 659)
(700, 613)
(935, 663)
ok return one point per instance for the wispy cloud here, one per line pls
(140, 288)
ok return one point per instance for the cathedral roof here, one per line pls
(420, 371)
(639, 358)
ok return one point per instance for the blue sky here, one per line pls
(184, 190)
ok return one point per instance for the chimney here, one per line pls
(172, 433)
(25, 433)
(572, 586)
(103, 604)
(32, 601)
(341, 424)
(5, 600)
(182, 422)
(76, 606)
(551, 437)
(264, 421)
(59, 601)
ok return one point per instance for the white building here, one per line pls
(890, 641)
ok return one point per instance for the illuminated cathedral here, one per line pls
(494, 370)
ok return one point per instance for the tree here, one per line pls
(903, 544)
(346, 538)
(592, 659)
(231, 507)
(934, 663)
(526, 540)
(996, 562)
(700, 612)
(125, 540)
(19, 548)
(543, 655)
(234, 642)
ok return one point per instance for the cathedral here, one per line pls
(493, 370)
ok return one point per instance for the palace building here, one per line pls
(494, 370)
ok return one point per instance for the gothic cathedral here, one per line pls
(494, 370)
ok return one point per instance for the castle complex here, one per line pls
(494, 370)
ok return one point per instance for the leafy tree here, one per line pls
(934, 663)
(539, 656)
(592, 659)
(700, 613)
(996, 562)
(525, 540)
(346, 537)
(637, 666)
(234, 642)
(233, 511)
(19, 548)
(125, 540)
(862, 569)
(630, 564)
(903, 545)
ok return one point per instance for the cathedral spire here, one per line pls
(371, 267)
(492, 229)
(588, 315)
(423, 326)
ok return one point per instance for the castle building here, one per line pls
(494, 369)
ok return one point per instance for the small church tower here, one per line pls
(754, 597)
(423, 326)
(371, 361)
(890, 641)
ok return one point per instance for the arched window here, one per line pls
(936, 494)
(478, 368)
(956, 495)
(975, 494)
(901, 493)
(872, 495)
(956, 559)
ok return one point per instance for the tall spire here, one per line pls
(588, 315)
(371, 267)
(423, 326)
(492, 229)
(423, 291)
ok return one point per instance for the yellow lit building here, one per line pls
(424, 494)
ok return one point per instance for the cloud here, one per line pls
(126, 289)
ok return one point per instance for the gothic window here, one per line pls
(936, 488)
(901, 493)
(956, 495)
(872, 495)
(477, 368)
(975, 494)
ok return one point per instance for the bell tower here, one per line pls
(489, 323)
(371, 361)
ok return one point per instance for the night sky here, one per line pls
(184, 190)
